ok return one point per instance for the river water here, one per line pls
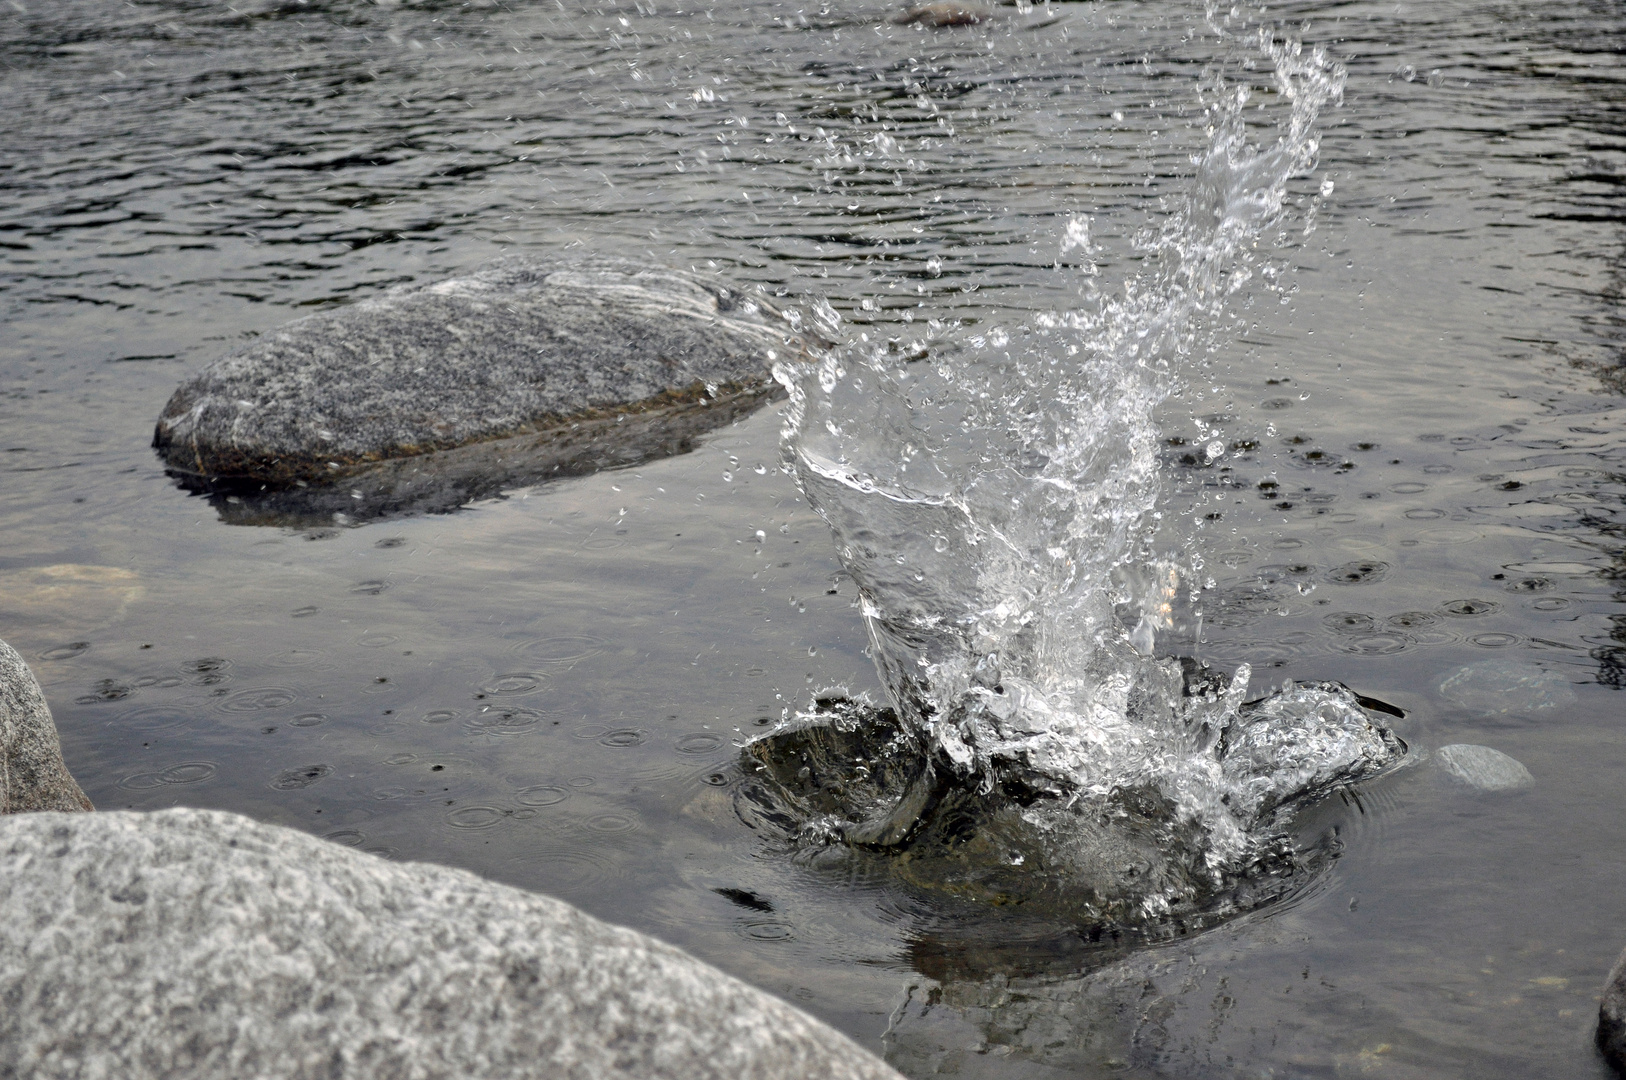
(1420, 494)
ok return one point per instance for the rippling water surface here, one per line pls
(1419, 492)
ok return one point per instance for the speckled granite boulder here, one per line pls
(580, 353)
(1612, 1017)
(33, 775)
(192, 943)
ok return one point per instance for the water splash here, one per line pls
(995, 502)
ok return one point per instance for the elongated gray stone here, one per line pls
(194, 943)
(33, 775)
(586, 355)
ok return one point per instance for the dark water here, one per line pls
(547, 689)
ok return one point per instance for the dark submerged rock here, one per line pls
(203, 944)
(1612, 1017)
(429, 396)
(33, 775)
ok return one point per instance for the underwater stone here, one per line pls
(1482, 768)
(1499, 687)
(33, 775)
(203, 944)
(944, 13)
(581, 356)
(1612, 1017)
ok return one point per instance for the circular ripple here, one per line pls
(516, 682)
(622, 737)
(309, 720)
(541, 795)
(765, 930)
(715, 779)
(259, 700)
(369, 588)
(155, 717)
(347, 837)
(65, 652)
(188, 772)
(1529, 585)
(1411, 487)
(1467, 609)
(302, 777)
(1425, 515)
(583, 869)
(1375, 644)
(510, 720)
(1350, 622)
(1408, 620)
(611, 823)
(559, 650)
(1434, 637)
(699, 742)
(439, 716)
(1460, 535)
(377, 641)
(140, 782)
(475, 817)
(1359, 572)
(1495, 641)
(603, 543)
(1551, 603)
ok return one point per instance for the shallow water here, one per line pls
(548, 689)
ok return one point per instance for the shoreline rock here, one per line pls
(33, 775)
(201, 943)
(640, 357)
(1611, 1037)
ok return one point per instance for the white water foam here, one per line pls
(995, 502)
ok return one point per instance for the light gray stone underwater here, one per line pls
(429, 395)
(33, 775)
(194, 943)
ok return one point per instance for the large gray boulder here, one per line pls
(193, 943)
(574, 365)
(33, 775)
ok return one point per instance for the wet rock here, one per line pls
(200, 943)
(33, 775)
(1612, 1017)
(1483, 768)
(430, 395)
(944, 13)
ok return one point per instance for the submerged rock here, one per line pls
(1483, 768)
(1612, 1017)
(944, 13)
(200, 943)
(1500, 687)
(430, 395)
(1124, 855)
(33, 775)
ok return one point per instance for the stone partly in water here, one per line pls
(200, 943)
(33, 775)
(1482, 768)
(430, 396)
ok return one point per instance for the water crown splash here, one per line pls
(995, 504)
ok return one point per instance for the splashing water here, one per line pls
(995, 503)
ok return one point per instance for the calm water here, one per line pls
(548, 689)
